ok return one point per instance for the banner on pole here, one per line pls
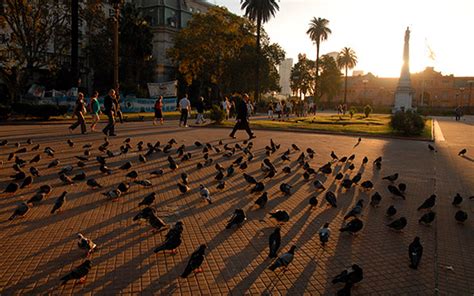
(165, 89)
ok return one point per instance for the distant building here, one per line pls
(284, 70)
(357, 72)
(431, 89)
(333, 54)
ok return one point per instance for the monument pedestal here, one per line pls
(403, 99)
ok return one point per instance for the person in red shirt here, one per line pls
(158, 111)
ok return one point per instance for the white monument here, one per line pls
(404, 92)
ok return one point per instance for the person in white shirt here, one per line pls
(185, 107)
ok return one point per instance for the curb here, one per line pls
(305, 131)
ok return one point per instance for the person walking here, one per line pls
(158, 110)
(270, 109)
(79, 111)
(94, 108)
(458, 113)
(278, 109)
(226, 107)
(110, 111)
(185, 107)
(242, 118)
(200, 110)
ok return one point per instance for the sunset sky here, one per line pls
(375, 30)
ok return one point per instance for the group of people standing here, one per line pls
(286, 108)
(111, 109)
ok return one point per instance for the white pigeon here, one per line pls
(86, 244)
(205, 193)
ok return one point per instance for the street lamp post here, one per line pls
(116, 4)
(470, 92)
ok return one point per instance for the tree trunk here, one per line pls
(74, 43)
(345, 87)
(317, 73)
(257, 70)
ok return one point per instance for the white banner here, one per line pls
(165, 89)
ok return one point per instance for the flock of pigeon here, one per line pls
(238, 157)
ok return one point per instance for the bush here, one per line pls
(352, 111)
(408, 122)
(43, 111)
(5, 112)
(216, 114)
(367, 110)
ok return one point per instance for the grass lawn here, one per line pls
(375, 124)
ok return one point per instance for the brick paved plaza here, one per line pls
(37, 250)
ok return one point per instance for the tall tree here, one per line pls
(330, 79)
(318, 31)
(260, 11)
(302, 75)
(346, 59)
(38, 31)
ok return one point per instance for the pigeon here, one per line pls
(22, 150)
(351, 158)
(365, 160)
(113, 194)
(457, 200)
(354, 226)
(269, 164)
(462, 152)
(53, 164)
(35, 159)
(141, 158)
(219, 167)
(148, 200)
(18, 176)
(324, 233)
(249, 179)
(427, 218)
(391, 211)
(199, 166)
(80, 177)
(29, 141)
(259, 187)
(145, 183)
(398, 224)
(356, 178)
(331, 199)
(339, 176)
(281, 216)
(460, 216)
(284, 260)
(318, 185)
(34, 171)
(157, 173)
(36, 147)
(38, 197)
(81, 164)
(66, 180)
(351, 275)
(3, 143)
(46, 189)
(195, 261)
(92, 183)
(126, 166)
(219, 176)
(415, 251)
(270, 174)
(49, 151)
(367, 185)
(395, 191)
(100, 159)
(221, 185)
(78, 273)
(238, 217)
(132, 175)
(183, 188)
(156, 223)
(285, 188)
(230, 171)
(26, 182)
(343, 159)
(205, 195)
(172, 163)
(378, 165)
(123, 187)
(86, 244)
(274, 242)
(144, 214)
(59, 203)
(287, 170)
(375, 199)
(67, 170)
(356, 210)
(402, 187)
(20, 211)
(105, 170)
(428, 203)
(347, 183)
(391, 178)
(431, 148)
(70, 143)
(334, 156)
(358, 142)
(285, 157)
(313, 201)
(173, 239)
(261, 201)
(296, 148)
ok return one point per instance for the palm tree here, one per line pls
(318, 31)
(346, 59)
(260, 11)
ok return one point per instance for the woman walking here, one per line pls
(158, 110)
(79, 112)
(94, 108)
(200, 110)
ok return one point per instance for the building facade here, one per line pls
(431, 89)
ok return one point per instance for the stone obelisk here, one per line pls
(404, 92)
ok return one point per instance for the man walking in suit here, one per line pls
(110, 110)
